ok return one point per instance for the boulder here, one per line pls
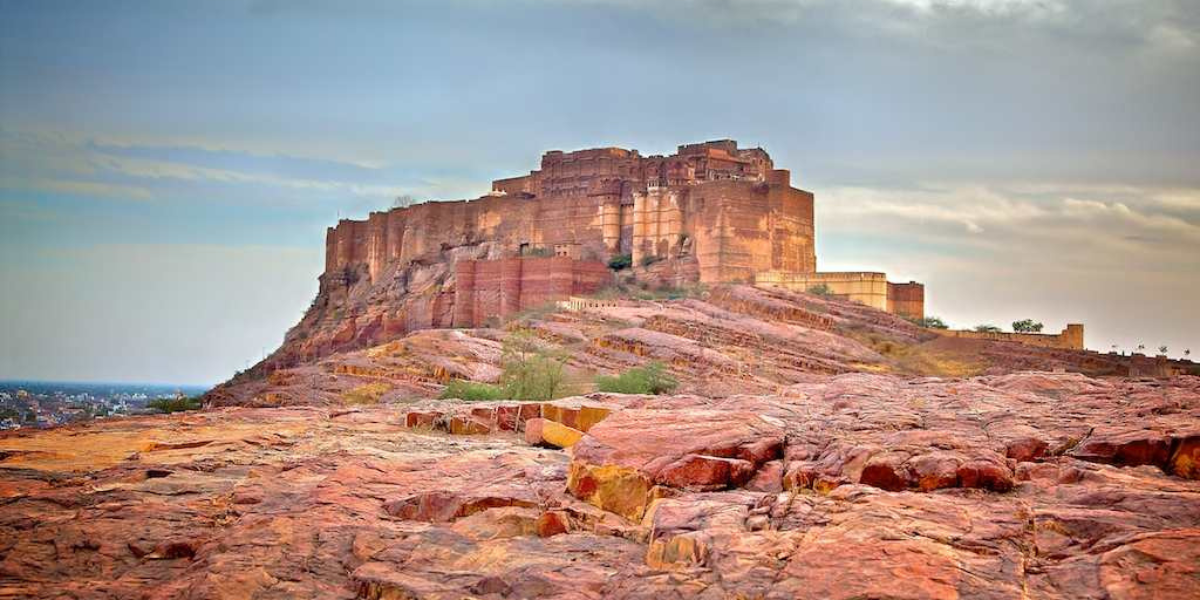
(620, 460)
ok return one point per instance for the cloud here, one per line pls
(988, 7)
(1120, 258)
(82, 166)
(1035, 158)
(1009, 230)
(972, 207)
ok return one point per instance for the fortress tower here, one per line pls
(711, 213)
(725, 209)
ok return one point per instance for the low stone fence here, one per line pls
(576, 304)
(1070, 338)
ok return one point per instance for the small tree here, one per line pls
(404, 200)
(620, 262)
(1162, 349)
(821, 290)
(179, 403)
(932, 323)
(1027, 326)
(987, 329)
(531, 373)
(471, 391)
(650, 379)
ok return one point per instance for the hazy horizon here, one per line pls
(168, 169)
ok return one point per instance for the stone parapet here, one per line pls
(1070, 338)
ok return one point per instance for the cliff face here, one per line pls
(711, 213)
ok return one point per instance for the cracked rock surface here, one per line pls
(1025, 485)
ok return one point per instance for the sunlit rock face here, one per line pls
(1026, 485)
(717, 341)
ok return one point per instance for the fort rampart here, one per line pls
(490, 290)
(1070, 338)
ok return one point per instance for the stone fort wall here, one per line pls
(728, 207)
(869, 288)
(906, 299)
(487, 290)
(1070, 338)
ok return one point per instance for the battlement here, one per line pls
(624, 171)
(1070, 338)
(723, 213)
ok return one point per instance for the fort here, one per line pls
(711, 213)
(1070, 338)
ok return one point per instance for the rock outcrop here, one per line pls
(1026, 485)
(718, 341)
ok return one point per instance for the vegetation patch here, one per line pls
(174, 405)
(928, 322)
(1027, 326)
(620, 262)
(530, 373)
(366, 394)
(916, 359)
(650, 379)
(471, 391)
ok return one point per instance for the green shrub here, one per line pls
(821, 290)
(650, 379)
(530, 372)
(173, 405)
(987, 329)
(930, 323)
(1027, 326)
(472, 391)
(620, 262)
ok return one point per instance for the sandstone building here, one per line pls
(723, 208)
(711, 213)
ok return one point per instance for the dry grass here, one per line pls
(919, 359)
(366, 394)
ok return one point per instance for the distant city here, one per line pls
(48, 404)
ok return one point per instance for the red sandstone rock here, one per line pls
(328, 503)
(469, 425)
(1129, 447)
(422, 419)
(620, 459)
(533, 431)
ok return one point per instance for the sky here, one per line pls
(168, 168)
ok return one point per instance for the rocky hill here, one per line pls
(815, 448)
(717, 341)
